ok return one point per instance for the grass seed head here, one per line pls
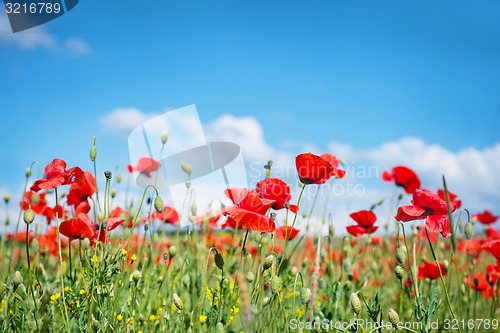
(305, 295)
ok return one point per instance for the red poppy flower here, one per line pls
(107, 225)
(145, 165)
(284, 232)
(82, 207)
(313, 169)
(236, 194)
(50, 213)
(453, 198)
(486, 217)
(492, 233)
(334, 161)
(79, 228)
(493, 247)
(82, 189)
(425, 203)
(274, 189)
(37, 202)
(365, 220)
(56, 175)
(404, 177)
(250, 213)
(168, 215)
(430, 270)
(208, 217)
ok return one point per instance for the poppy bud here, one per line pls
(164, 137)
(29, 215)
(158, 204)
(250, 277)
(93, 153)
(113, 193)
(476, 282)
(100, 217)
(269, 262)
(219, 261)
(462, 289)
(446, 265)
(400, 256)
(355, 303)
(219, 328)
(186, 168)
(177, 302)
(468, 230)
(268, 172)
(131, 212)
(304, 214)
(346, 265)
(18, 278)
(34, 245)
(305, 295)
(275, 284)
(186, 280)
(7, 221)
(136, 275)
(86, 243)
(108, 175)
(194, 209)
(188, 184)
(119, 178)
(287, 205)
(28, 172)
(273, 216)
(331, 230)
(6, 198)
(393, 317)
(400, 272)
(400, 196)
(172, 251)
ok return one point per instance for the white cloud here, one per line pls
(124, 120)
(39, 38)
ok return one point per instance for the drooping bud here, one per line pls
(219, 261)
(186, 168)
(275, 284)
(164, 137)
(28, 172)
(400, 256)
(393, 317)
(468, 230)
(93, 153)
(446, 265)
(355, 303)
(269, 262)
(6, 198)
(177, 302)
(400, 272)
(119, 178)
(159, 204)
(113, 193)
(305, 295)
(29, 215)
(172, 251)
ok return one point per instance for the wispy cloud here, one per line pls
(38, 38)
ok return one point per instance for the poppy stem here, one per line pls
(448, 207)
(29, 272)
(244, 243)
(70, 261)
(441, 276)
(66, 320)
(293, 225)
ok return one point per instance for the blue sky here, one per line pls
(356, 73)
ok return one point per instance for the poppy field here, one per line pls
(100, 264)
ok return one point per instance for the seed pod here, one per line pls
(468, 230)
(393, 317)
(93, 153)
(219, 261)
(269, 262)
(164, 137)
(29, 215)
(108, 175)
(275, 284)
(400, 272)
(172, 251)
(355, 303)
(219, 328)
(400, 256)
(158, 204)
(177, 302)
(305, 295)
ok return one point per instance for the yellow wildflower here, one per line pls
(152, 318)
(55, 297)
(203, 319)
(2, 305)
(67, 289)
(133, 257)
(94, 258)
(82, 292)
(119, 317)
(124, 252)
